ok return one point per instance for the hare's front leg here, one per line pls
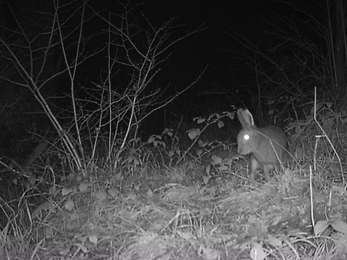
(253, 165)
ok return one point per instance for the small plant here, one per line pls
(167, 145)
(205, 146)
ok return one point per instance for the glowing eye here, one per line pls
(246, 137)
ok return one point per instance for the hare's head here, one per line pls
(267, 145)
(247, 139)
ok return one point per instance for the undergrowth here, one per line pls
(167, 203)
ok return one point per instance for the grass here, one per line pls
(202, 208)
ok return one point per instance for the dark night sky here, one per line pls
(215, 46)
(245, 17)
(228, 80)
(212, 47)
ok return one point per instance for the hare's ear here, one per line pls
(245, 117)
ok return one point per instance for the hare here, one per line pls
(267, 146)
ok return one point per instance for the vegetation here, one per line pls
(93, 185)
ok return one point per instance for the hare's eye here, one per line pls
(246, 137)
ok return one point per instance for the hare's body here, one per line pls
(267, 146)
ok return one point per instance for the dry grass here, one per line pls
(187, 211)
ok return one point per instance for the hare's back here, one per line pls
(276, 134)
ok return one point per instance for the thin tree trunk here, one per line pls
(340, 52)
